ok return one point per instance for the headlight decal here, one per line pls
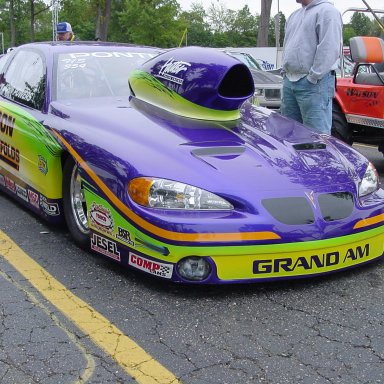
(369, 221)
(160, 232)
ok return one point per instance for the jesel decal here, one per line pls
(105, 246)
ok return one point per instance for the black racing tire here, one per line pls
(340, 127)
(75, 210)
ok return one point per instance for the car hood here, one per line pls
(265, 78)
(262, 150)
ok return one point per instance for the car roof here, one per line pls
(77, 46)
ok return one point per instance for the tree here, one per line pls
(218, 17)
(262, 37)
(198, 31)
(151, 22)
(243, 29)
(103, 18)
(361, 23)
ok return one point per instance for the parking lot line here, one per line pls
(129, 355)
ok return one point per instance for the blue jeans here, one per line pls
(310, 104)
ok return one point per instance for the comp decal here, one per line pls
(164, 270)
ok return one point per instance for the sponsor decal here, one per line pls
(311, 263)
(266, 65)
(152, 267)
(10, 184)
(51, 209)
(105, 246)
(172, 68)
(33, 198)
(22, 193)
(362, 93)
(7, 122)
(9, 154)
(43, 165)
(101, 218)
(82, 55)
(2, 180)
(124, 235)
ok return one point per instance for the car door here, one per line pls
(30, 165)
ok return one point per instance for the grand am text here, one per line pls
(325, 260)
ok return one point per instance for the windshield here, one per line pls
(246, 59)
(98, 73)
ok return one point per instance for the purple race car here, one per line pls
(160, 162)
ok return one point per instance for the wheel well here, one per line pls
(337, 103)
(64, 157)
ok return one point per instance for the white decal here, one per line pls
(51, 209)
(33, 198)
(22, 193)
(153, 267)
(173, 67)
(105, 246)
(101, 218)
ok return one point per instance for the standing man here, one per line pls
(312, 47)
(64, 32)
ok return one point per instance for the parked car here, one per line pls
(268, 85)
(160, 162)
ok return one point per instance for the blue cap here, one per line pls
(63, 27)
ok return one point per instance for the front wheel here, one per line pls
(74, 205)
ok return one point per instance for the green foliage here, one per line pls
(347, 34)
(362, 24)
(81, 14)
(154, 22)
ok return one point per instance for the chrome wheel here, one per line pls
(78, 205)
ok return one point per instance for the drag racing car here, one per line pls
(158, 161)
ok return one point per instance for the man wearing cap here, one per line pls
(64, 32)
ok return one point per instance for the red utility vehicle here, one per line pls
(358, 108)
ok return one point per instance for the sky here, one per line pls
(285, 6)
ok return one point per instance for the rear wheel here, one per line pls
(340, 127)
(75, 209)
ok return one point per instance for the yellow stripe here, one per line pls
(129, 355)
(369, 221)
(178, 236)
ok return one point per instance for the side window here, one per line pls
(24, 79)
